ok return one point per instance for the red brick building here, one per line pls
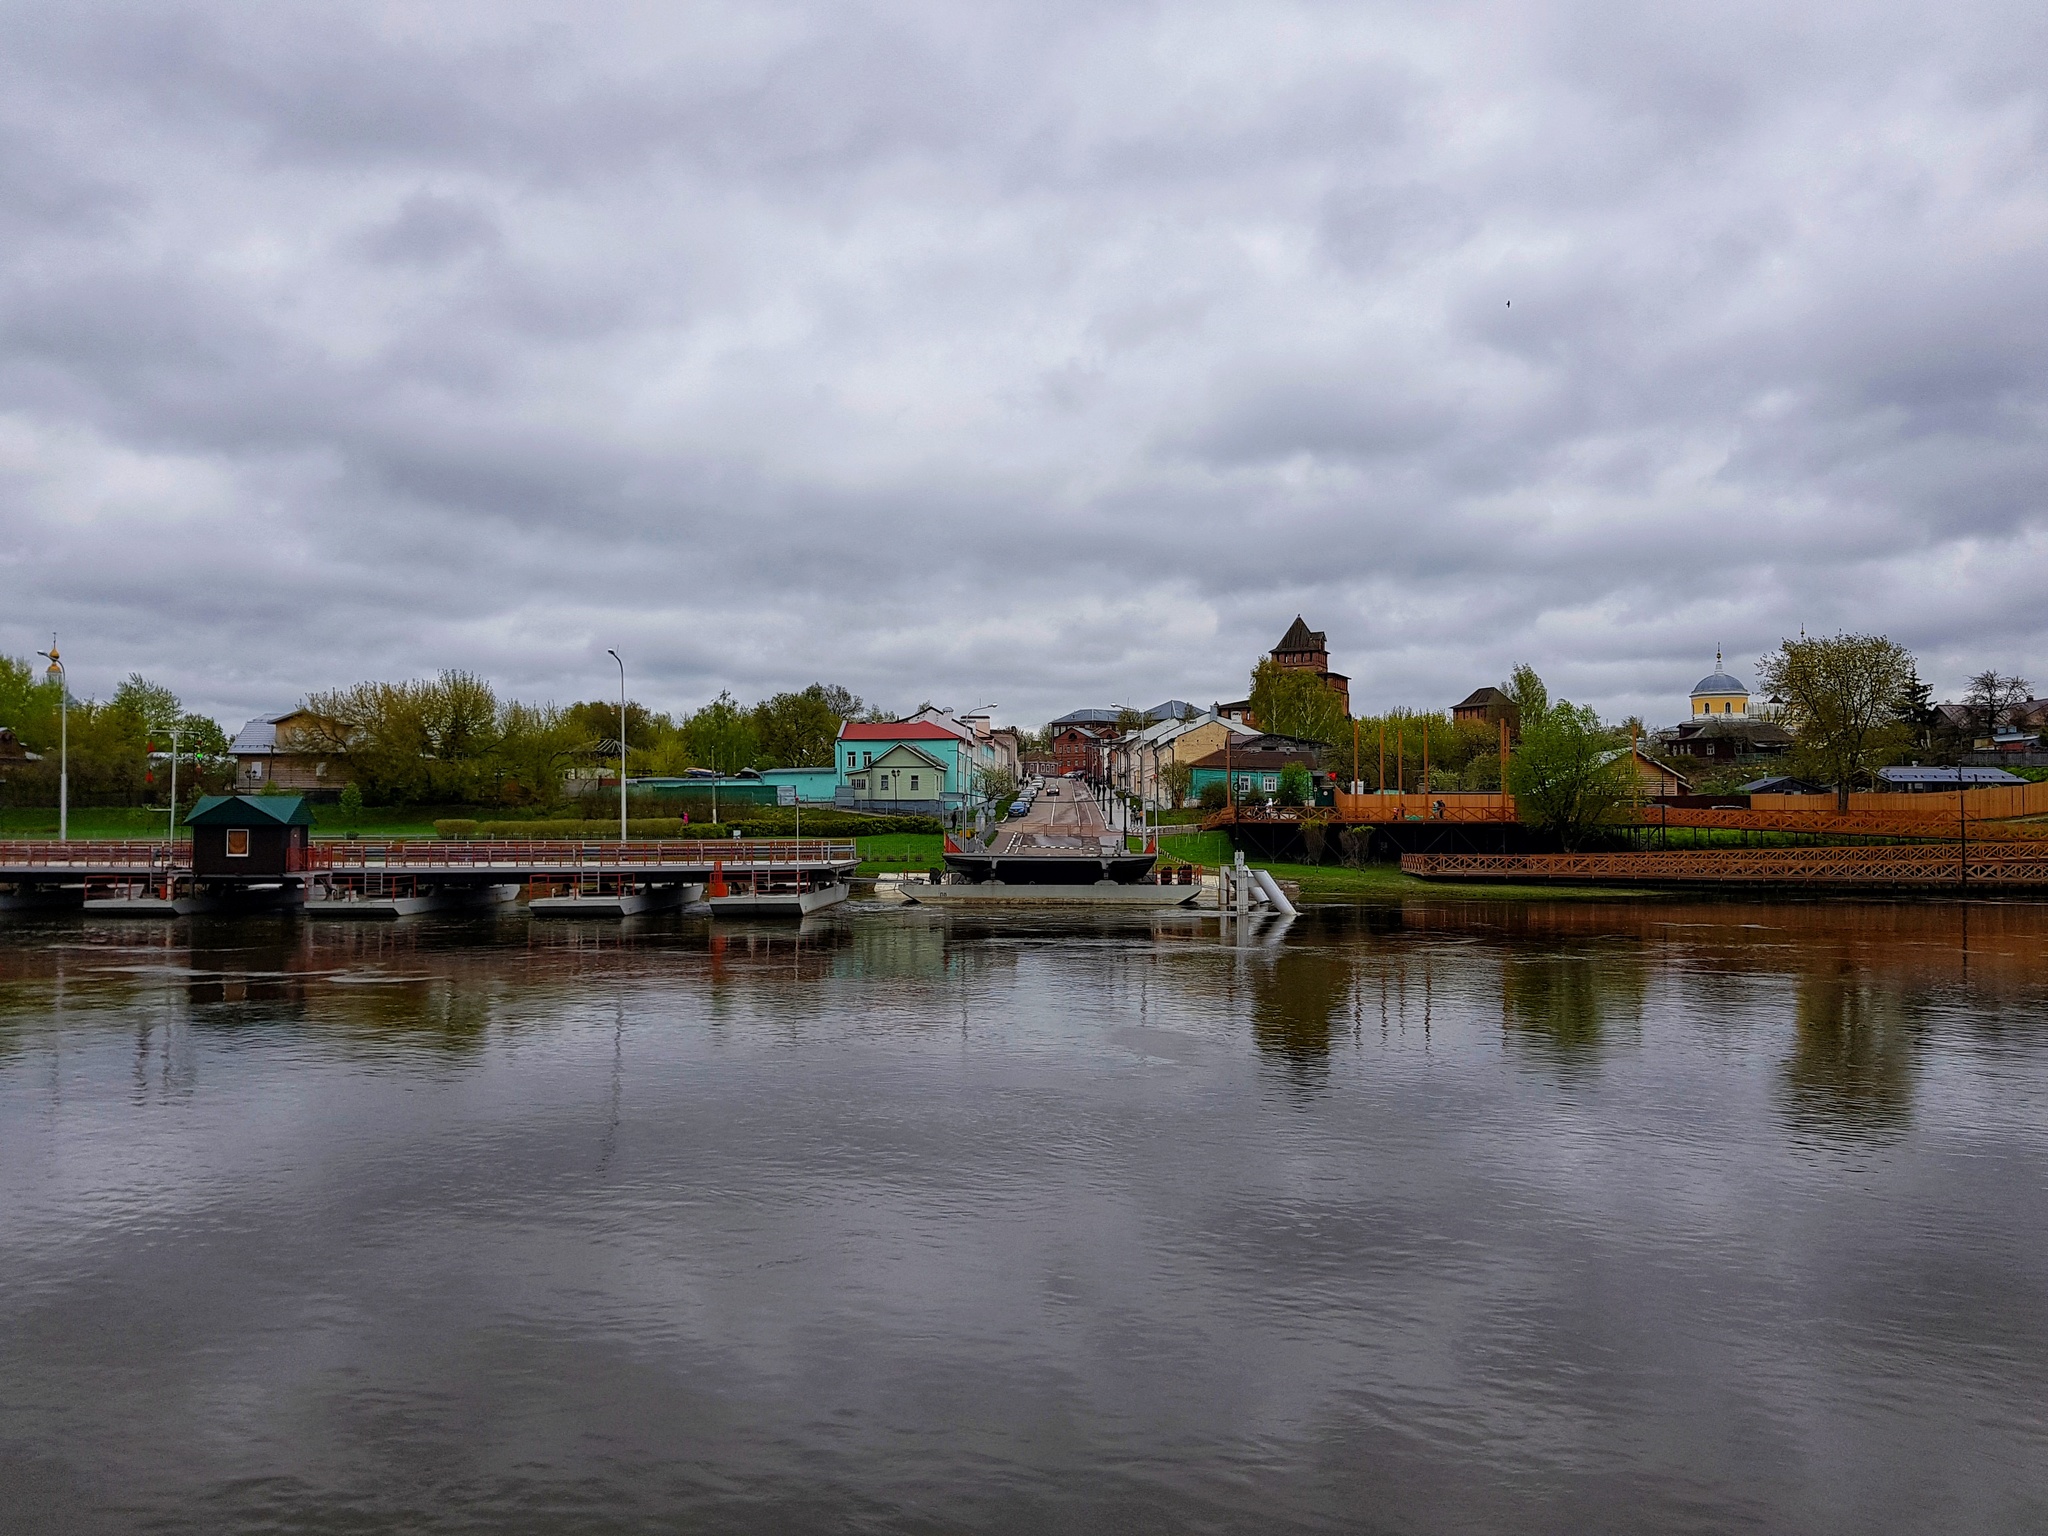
(1078, 750)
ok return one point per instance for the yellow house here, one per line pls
(1719, 694)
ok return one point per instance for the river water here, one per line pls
(1550, 1217)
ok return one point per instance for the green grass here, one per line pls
(897, 851)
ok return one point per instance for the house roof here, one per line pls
(1780, 784)
(904, 753)
(250, 811)
(1728, 725)
(1248, 760)
(259, 737)
(1172, 709)
(895, 730)
(1300, 637)
(1644, 757)
(1977, 776)
(12, 750)
(1087, 717)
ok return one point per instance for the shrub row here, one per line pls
(815, 824)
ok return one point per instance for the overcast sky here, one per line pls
(1040, 355)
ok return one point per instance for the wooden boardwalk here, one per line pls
(2002, 866)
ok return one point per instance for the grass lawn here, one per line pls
(898, 851)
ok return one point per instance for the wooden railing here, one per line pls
(94, 854)
(1898, 820)
(565, 854)
(2002, 864)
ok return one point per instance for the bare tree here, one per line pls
(1991, 699)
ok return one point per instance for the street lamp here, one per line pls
(622, 742)
(56, 675)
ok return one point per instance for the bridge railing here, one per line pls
(567, 854)
(93, 853)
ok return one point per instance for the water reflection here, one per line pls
(1855, 1054)
(1563, 1007)
(1299, 999)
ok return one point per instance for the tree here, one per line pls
(1177, 776)
(1296, 787)
(1215, 795)
(1845, 698)
(351, 803)
(154, 708)
(1531, 698)
(721, 735)
(998, 786)
(801, 730)
(1566, 774)
(1129, 720)
(1991, 699)
(1294, 702)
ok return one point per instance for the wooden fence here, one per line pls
(2003, 865)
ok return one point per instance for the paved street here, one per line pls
(1064, 817)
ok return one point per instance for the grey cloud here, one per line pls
(1054, 354)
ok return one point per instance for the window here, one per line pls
(852, 760)
(913, 781)
(1272, 782)
(238, 842)
(867, 759)
(860, 783)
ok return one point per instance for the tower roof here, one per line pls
(1300, 637)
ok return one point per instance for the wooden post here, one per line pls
(1503, 767)
(1425, 758)
(1379, 781)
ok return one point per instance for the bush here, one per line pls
(772, 823)
(1215, 796)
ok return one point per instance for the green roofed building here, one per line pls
(250, 835)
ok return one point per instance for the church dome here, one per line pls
(1717, 683)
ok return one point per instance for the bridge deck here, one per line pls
(45, 861)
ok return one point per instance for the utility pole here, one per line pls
(174, 784)
(57, 675)
(622, 743)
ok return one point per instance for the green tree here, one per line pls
(1294, 702)
(799, 730)
(721, 735)
(1296, 787)
(153, 707)
(1566, 774)
(1531, 698)
(351, 804)
(1846, 698)
(201, 736)
(1215, 795)
(1129, 720)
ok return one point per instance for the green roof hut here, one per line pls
(249, 836)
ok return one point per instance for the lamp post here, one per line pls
(174, 785)
(56, 674)
(622, 742)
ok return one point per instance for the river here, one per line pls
(1565, 1216)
